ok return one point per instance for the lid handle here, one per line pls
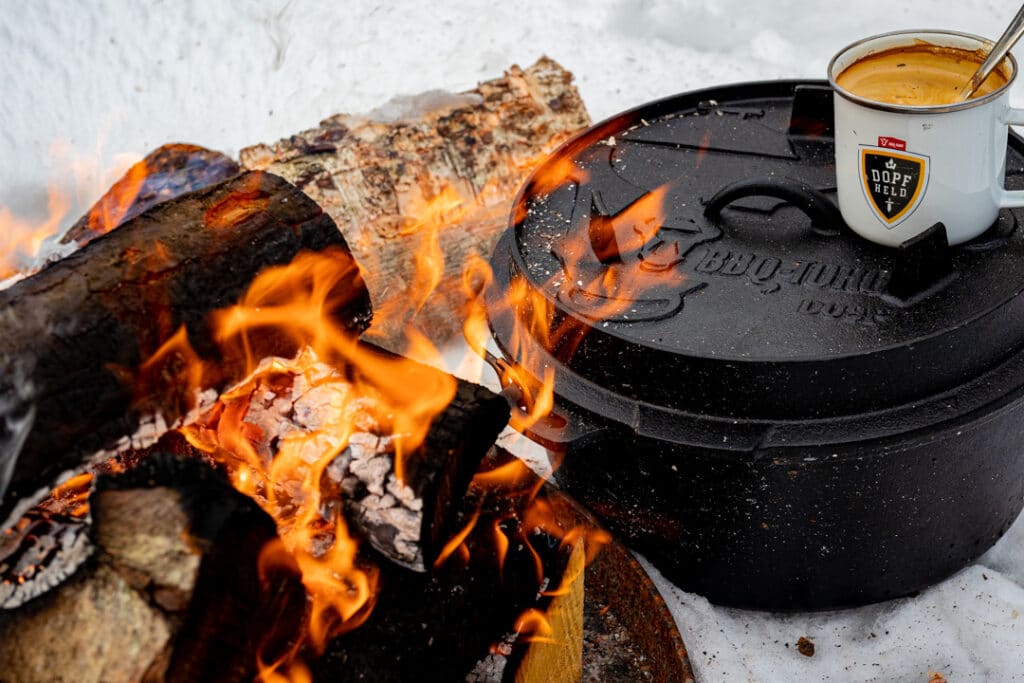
(824, 215)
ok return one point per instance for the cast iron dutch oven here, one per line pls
(777, 413)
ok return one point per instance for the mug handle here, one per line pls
(1012, 199)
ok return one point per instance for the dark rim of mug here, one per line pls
(912, 109)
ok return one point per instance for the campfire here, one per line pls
(225, 437)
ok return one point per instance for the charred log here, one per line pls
(463, 619)
(409, 519)
(375, 178)
(174, 592)
(73, 333)
(165, 173)
(48, 538)
(406, 521)
(474, 616)
(405, 515)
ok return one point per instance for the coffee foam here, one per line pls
(918, 75)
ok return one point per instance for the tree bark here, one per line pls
(376, 180)
(72, 335)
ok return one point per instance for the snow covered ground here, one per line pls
(88, 86)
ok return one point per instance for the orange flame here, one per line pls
(288, 308)
(534, 626)
(110, 210)
(540, 327)
(21, 240)
(81, 178)
(457, 542)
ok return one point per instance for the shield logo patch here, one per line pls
(893, 182)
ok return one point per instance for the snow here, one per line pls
(88, 87)
(967, 627)
(95, 86)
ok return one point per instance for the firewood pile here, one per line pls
(224, 462)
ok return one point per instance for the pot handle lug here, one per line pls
(557, 430)
(824, 214)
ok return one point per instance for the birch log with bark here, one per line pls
(377, 178)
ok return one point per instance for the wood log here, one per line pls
(45, 543)
(145, 583)
(406, 522)
(477, 617)
(407, 516)
(173, 594)
(411, 525)
(460, 618)
(72, 335)
(167, 172)
(559, 656)
(377, 178)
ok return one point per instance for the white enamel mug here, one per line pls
(901, 169)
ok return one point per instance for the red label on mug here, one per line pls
(892, 143)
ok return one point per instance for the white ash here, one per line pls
(42, 564)
(318, 407)
(50, 251)
(366, 466)
(317, 410)
(149, 430)
(204, 400)
(387, 511)
(491, 669)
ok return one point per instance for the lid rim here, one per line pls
(985, 393)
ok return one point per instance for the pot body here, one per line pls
(777, 412)
(808, 527)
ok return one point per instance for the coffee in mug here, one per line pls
(908, 153)
(919, 75)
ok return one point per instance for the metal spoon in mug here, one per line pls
(1006, 41)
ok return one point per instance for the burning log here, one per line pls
(512, 576)
(43, 545)
(411, 526)
(457, 162)
(174, 592)
(404, 505)
(175, 599)
(407, 522)
(165, 173)
(72, 335)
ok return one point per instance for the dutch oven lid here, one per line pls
(696, 243)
